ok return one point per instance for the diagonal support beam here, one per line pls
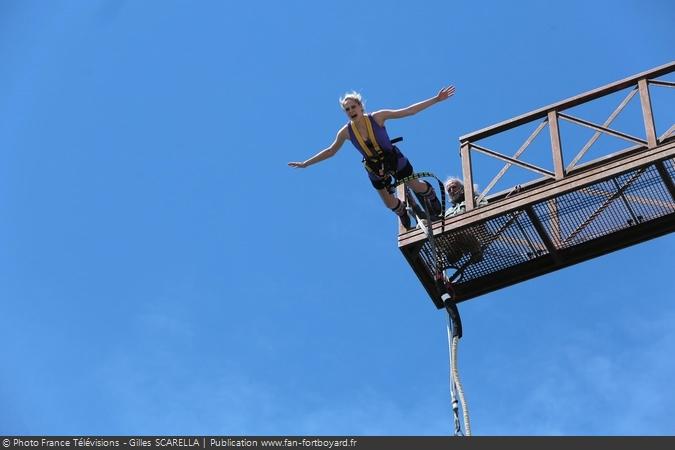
(665, 176)
(508, 159)
(662, 83)
(520, 151)
(646, 201)
(539, 227)
(606, 130)
(667, 134)
(604, 205)
(606, 124)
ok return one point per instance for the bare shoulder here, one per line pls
(381, 115)
(343, 133)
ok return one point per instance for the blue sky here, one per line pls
(164, 272)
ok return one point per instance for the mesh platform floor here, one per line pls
(593, 212)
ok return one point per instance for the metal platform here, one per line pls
(572, 214)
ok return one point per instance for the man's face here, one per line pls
(455, 191)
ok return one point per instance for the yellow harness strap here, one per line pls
(371, 138)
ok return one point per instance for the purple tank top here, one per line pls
(380, 133)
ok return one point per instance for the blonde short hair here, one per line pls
(351, 95)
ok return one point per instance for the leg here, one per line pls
(418, 186)
(427, 196)
(390, 201)
(423, 190)
(396, 205)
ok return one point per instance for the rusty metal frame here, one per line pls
(551, 252)
(552, 113)
(555, 233)
(578, 180)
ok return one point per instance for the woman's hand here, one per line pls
(445, 93)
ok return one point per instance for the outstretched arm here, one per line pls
(325, 153)
(385, 114)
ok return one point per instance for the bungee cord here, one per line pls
(454, 327)
(456, 389)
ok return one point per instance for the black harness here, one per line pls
(384, 165)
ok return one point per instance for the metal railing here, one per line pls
(550, 116)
